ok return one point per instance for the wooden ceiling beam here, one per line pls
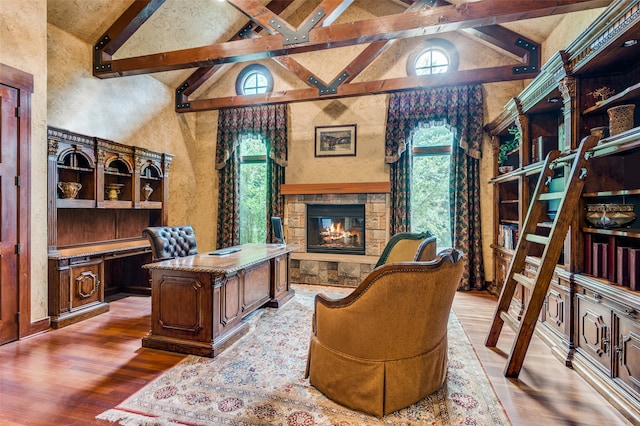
(122, 29)
(259, 14)
(500, 37)
(373, 50)
(325, 14)
(352, 70)
(422, 22)
(474, 76)
(202, 74)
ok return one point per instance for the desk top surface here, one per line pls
(113, 247)
(248, 255)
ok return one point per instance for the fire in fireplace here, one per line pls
(336, 228)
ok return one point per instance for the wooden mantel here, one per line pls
(335, 188)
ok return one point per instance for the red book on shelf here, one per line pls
(588, 248)
(622, 266)
(599, 264)
(634, 269)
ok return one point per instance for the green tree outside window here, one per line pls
(253, 190)
(430, 183)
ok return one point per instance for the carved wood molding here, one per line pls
(335, 188)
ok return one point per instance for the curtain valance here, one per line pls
(269, 121)
(459, 107)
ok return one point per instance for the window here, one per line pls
(430, 182)
(432, 61)
(253, 80)
(434, 56)
(253, 190)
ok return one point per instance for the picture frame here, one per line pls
(335, 141)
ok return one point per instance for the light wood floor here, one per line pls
(68, 376)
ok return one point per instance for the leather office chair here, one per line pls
(409, 246)
(168, 242)
(384, 346)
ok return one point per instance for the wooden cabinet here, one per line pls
(101, 195)
(590, 316)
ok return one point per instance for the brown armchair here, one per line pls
(409, 246)
(168, 242)
(384, 346)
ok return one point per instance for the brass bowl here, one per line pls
(610, 215)
(69, 189)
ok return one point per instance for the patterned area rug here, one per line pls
(260, 381)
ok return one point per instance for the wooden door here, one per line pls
(9, 326)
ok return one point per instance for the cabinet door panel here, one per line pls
(593, 331)
(628, 351)
(86, 283)
(554, 310)
(256, 287)
(280, 269)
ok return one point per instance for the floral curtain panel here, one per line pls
(461, 108)
(269, 121)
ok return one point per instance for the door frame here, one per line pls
(23, 82)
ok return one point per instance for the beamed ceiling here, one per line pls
(189, 44)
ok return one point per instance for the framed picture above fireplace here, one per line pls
(335, 141)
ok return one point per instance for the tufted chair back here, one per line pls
(168, 242)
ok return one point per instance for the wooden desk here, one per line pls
(199, 301)
(80, 277)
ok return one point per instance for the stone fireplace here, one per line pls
(331, 267)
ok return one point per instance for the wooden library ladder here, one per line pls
(552, 245)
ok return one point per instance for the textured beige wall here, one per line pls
(138, 111)
(569, 28)
(23, 45)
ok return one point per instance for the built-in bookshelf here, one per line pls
(591, 316)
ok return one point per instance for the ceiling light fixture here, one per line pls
(553, 100)
(630, 43)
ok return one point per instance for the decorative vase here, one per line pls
(620, 118)
(610, 215)
(147, 191)
(69, 189)
(113, 190)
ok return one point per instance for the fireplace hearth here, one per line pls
(336, 228)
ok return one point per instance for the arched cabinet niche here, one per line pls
(97, 210)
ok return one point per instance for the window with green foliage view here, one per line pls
(253, 190)
(430, 185)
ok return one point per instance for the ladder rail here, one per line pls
(553, 245)
(521, 251)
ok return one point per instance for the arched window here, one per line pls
(435, 56)
(430, 182)
(253, 80)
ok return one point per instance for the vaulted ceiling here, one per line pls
(189, 44)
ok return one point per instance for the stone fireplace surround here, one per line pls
(335, 269)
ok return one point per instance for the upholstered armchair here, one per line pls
(168, 242)
(384, 346)
(409, 246)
